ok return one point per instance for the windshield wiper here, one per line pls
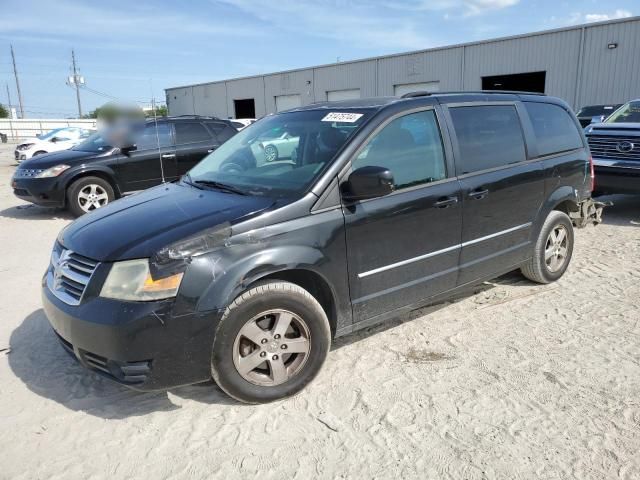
(221, 186)
(186, 178)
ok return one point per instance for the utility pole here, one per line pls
(77, 79)
(15, 73)
(8, 96)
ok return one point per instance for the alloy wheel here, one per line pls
(92, 196)
(271, 348)
(555, 250)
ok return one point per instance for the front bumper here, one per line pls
(22, 155)
(47, 192)
(142, 345)
(614, 176)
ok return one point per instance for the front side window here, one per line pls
(626, 114)
(554, 129)
(281, 155)
(489, 136)
(149, 138)
(410, 147)
(191, 133)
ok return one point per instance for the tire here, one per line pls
(39, 152)
(270, 153)
(551, 256)
(263, 307)
(87, 194)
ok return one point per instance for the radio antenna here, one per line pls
(155, 121)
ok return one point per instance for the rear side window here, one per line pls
(191, 133)
(488, 136)
(555, 130)
(409, 146)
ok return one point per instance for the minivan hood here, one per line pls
(48, 160)
(140, 225)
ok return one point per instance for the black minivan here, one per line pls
(95, 172)
(245, 269)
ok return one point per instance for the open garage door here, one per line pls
(337, 95)
(399, 90)
(287, 102)
(521, 82)
(245, 108)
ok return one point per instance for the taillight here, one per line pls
(592, 173)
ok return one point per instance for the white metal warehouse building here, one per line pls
(591, 64)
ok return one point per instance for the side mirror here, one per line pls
(126, 149)
(368, 182)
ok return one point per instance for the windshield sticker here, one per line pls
(342, 117)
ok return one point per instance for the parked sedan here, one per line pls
(53, 141)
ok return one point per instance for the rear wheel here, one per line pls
(552, 251)
(87, 194)
(271, 342)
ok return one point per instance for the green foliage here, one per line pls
(4, 111)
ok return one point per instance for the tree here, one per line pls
(4, 113)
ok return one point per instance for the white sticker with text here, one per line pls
(341, 117)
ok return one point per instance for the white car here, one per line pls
(280, 147)
(240, 123)
(53, 141)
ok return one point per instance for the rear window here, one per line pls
(488, 136)
(554, 128)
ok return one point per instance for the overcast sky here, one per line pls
(130, 49)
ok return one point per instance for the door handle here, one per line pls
(210, 150)
(445, 202)
(168, 156)
(478, 194)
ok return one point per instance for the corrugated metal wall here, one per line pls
(579, 68)
(610, 76)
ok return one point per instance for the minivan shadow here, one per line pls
(512, 279)
(38, 359)
(29, 211)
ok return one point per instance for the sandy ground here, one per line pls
(513, 381)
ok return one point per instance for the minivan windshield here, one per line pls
(95, 143)
(628, 113)
(280, 155)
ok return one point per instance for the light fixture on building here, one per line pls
(611, 46)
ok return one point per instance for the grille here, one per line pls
(69, 275)
(27, 172)
(608, 147)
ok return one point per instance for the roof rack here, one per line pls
(491, 92)
(208, 117)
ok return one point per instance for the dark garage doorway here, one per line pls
(245, 108)
(522, 82)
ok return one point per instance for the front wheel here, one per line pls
(87, 194)
(552, 251)
(271, 342)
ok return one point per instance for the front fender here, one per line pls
(215, 279)
(84, 170)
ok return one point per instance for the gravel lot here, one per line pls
(512, 381)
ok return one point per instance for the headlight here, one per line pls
(53, 171)
(132, 280)
(25, 146)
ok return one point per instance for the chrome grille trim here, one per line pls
(69, 274)
(604, 146)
